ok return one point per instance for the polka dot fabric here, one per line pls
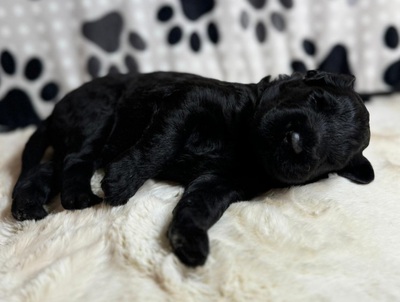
(48, 47)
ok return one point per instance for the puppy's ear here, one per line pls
(322, 78)
(263, 84)
(358, 170)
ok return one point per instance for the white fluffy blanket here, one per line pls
(328, 241)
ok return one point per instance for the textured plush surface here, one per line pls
(328, 241)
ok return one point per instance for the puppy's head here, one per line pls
(308, 125)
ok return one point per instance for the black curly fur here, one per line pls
(223, 141)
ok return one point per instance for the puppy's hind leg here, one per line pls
(35, 188)
(76, 192)
(38, 182)
(83, 147)
(82, 158)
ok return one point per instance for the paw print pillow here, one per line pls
(49, 47)
(25, 81)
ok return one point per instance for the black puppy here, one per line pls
(223, 141)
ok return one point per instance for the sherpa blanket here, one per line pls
(328, 241)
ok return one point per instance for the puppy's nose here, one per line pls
(293, 138)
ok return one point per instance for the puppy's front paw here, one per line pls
(190, 245)
(75, 200)
(117, 185)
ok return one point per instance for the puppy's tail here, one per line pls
(35, 148)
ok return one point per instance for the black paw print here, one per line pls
(310, 49)
(391, 75)
(192, 10)
(260, 29)
(16, 108)
(337, 58)
(106, 33)
(336, 61)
